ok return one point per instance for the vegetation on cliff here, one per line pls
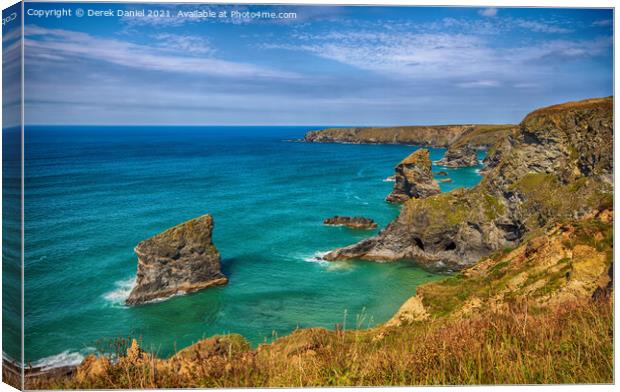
(430, 136)
(484, 136)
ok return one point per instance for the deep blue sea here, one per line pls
(93, 193)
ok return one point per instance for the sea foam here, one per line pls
(121, 292)
(65, 358)
(317, 257)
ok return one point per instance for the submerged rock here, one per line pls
(557, 165)
(356, 222)
(414, 178)
(179, 260)
(441, 174)
(459, 156)
(446, 180)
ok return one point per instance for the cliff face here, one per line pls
(557, 164)
(556, 264)
(430, 136)
(413, 178)
(435, 136)
(179, 260)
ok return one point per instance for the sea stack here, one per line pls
(180, 260)
(460, 156)
(414, 178)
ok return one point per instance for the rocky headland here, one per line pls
(180, 260)
(557, 164)
(479, 136)
(413, 178)
(356, 222)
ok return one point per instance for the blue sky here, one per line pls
(329, 66)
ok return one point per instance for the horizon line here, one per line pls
(265, 125)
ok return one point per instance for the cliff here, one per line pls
(413, 178)
(558, 164)
(179, 260)
(480, 136)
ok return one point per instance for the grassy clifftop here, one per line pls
(483, 135)
(431, 136)
(539, 313)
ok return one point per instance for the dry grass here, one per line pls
(571, 343)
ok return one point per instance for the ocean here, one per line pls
(93, 193)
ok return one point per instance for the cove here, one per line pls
(93, 193)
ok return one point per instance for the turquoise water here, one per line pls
(93, 193)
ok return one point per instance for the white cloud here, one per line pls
(540, 27)
(399, 54)
(479, 84)
(603, 23)
(467, 59)
(185, 43)
(43, 43)
(488, 12)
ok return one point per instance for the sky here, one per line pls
(338, 65)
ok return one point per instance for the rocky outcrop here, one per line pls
(558, 164)
(179, 260)
(356, 222)
(480, 136)
(461, 156)
(561, 262)
(414, 178)
(495, 154)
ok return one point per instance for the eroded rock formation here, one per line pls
(414, 178)
(179, 260)
(461, 156)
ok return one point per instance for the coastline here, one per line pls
(492, 279)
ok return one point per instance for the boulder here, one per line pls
(356, 222)
(179, 260)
